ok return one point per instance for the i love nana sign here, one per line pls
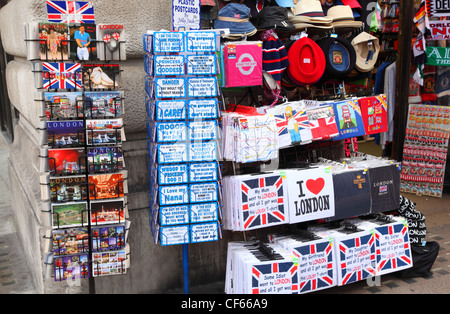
(310, 194)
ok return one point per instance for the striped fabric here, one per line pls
(275, 59)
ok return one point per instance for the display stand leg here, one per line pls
(186, 268)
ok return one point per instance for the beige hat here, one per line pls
(309, 11)
(364, 43)
(342, 16)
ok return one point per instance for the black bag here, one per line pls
(423, 259)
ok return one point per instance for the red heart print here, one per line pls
(315, 186)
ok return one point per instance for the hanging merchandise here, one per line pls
(438, 56)
(310, 194)
(309, 14)
(374, 113)
(415, 219)
(342, 17)
(348, 118)
(306, 62)
(340, 56)
(322, 122)
(274, 55)
(235, 17)
(273, 17)
(367, 48)
(425, 150)
(243, 63)
(182, 109)
(254, 201)
(292, 123)
(438, 8)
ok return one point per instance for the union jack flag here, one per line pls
(61, 75)
(70, 12)
(357, 270)
(322, 122)
(263, 216)
(387, 262)
(282, 121)
(325, 276)
(288, 282)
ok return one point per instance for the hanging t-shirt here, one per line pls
(348, 118)
(374, 113)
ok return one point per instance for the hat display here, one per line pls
(340, 56)
(309, 11)
(285, 3)
(235, 17)
(354, 4)
(306, 62)
(272, 17)
(367, 48)
(342, 16)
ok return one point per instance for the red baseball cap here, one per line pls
(306, 61)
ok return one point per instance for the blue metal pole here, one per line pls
(186, 268)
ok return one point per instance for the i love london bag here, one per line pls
(243, 64)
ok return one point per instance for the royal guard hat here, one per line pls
(340, 56)
(306, 61)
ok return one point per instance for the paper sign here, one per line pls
(173, 194)
(202, 151)
(185, 14)
(202, 87)
(204, 232)
(202, 109)
(203, 192)
(204, 212)
(201, 65)
(172, 174)
(174, 215)
(170, 87)
(172, 153)
(205, 171)
(171, 131)
(203, 130)
(201, 41)
(175, 235)
(168, 42)
(311, 194)
(169, 65)
(170, 110)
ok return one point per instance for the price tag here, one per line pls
(201, 41)
(202, 109)
(168, 42)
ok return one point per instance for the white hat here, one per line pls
(309, 11)
(364, 43)
(342, 16)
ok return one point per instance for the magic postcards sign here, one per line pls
(310, 194)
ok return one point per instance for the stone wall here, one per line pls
(153, 268)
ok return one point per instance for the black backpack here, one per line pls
(423, 259)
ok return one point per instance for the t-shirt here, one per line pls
(84, 38)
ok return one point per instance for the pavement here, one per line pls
(15, 279)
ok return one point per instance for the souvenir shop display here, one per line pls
(425, 150)
(184, 175)
(84, 178)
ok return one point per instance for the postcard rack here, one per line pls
(84, 178)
